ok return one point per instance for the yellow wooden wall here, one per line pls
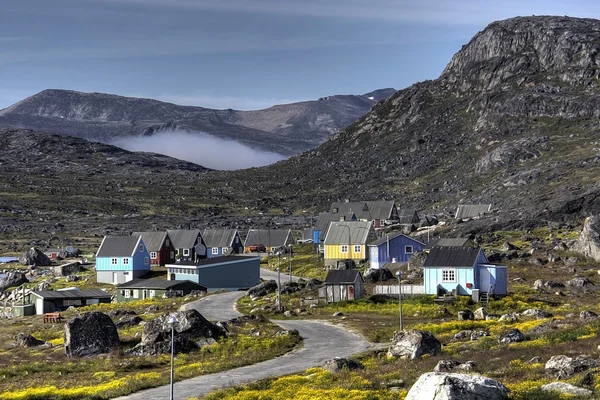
(334, 251)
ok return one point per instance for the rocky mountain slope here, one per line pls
(286, 129)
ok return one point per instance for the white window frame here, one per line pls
(412, 249)
(186, 252)
(215, 250)
(127, 294)
(153, 255)
(357, 248)
(136, 294)
(449, 275)
(344, 248)
(125, 260)
(114, 261)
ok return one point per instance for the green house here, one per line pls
(140, 289)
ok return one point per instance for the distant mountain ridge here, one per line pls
(286, 129)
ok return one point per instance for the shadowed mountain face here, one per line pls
(286, 129)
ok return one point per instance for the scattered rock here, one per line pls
(586, 314)
(451, 386)
(480, 314)
(128, 321)
(339, 364)
(541, 284)
(465, 315)
(289, 313)
(476, 335)
(537, 313)
(534, 360)
(26, 340)
(512, 336)
(466, 366)
(67, 269)
(262, 289)
(581, 282)
(510, 317)
(12, 279)
(446, 365)
(416, 261)
(338, 314)
(571, 261)
(413, 344)
(562, 366)
(463, 334)
(373, 275)
(566, 388)
(588, 242)
(90, 334)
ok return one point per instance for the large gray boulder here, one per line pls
(26, 340)
(12, 279)
(192, 332)
(451, 386)
(262, 289)
(416, 261)
(588, 242)
(373, 275)
(339, 364)
(512, 336)
(413, 344)
(67, 269)
(35, 256)
(581, 282)
(567, 388)
(90, 334)
(536, 313)
(562, 366)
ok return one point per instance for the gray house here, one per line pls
(343, 285)
(222, 242)
(228, 273)
(46, 301)
(466, 211)
(188, 244)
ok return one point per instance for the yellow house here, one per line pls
(347, 240)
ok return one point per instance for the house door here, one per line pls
(115, 278)
(144, 294)
(350, 292)
(484, 279)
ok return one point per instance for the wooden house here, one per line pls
(159, 246)
(461, 270)
(408, 216)
(121, 259)
(188, 243)
(323, 221)
(391, 248)
(47, 301)
(343, 285)
(222, 242)
(347, 240)
(381, 212)
(140, 289)
(272, 239)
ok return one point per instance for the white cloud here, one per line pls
(200, 148)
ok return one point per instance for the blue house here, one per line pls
(462, 270)
(222, 242)
(121, 259)
(393, 247)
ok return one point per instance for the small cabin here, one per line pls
(344, 285)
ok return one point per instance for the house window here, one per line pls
(152, 294)
(335, 210)
(141, 247)
(344, 248)
(342, 218)
(215, 250)
(136, 294)
(186, 252)
(408, 249)
(114, 261)
(128, 294)
(172, 254)
(146, 261)
(448, 275)
(357, 248)
(177, 251)
(153, 255)
(125, 261)
(167, 243)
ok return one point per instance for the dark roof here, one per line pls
(357, 231)
(73, 294)
(214, 260)
(218, 237)
(457, 256)
(325, 218)
(184, 238)
(152, 240)
(380, 209)
(392, 236)
(472, 210)
(408, 216)
(118, 246)
(342, 276)
(154, 284)
(54, 251)
(267, 237)
(449, 242)
(359, 208)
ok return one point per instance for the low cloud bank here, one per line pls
(200, 148)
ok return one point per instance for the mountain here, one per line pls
(286, 129)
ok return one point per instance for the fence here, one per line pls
(392, 290)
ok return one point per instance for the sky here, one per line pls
(241, 54)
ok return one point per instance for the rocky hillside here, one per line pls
(286, 129)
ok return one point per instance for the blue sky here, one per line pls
(242, 54)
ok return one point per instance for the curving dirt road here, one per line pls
(322, 342)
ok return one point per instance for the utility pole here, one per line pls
(278, 282)
(290, 267)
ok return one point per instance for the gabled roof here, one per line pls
(155, 284)
(325, 218)
(472, 210)
(218, 237)
(359, 208)
(342, 276)
(408, 216)
(457, 256)
(340, 232)
(380, 209)
(449, 242)
(152, 240)
(392, 236)
(118, 246)
(184, 238)
(73, 294)
(268, 237)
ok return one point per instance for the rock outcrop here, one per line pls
(262, 289)
(339, 364)
(90, 334)
(413, 344)
(36, 257)
(26, 340)
(562, 366)
(588, 242)
(451, 386)
(12, 279)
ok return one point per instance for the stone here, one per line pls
(35, 256)
(465, 315)
(289, 313)
(546, 327)
(567, 388)
(373, 275)
(416, 261)
(339, 364)
(12, 279)
(534, 360)
(262, 289)
(541, 284)
(537, 313)
(588, 242)
(453, 386)
(466, 366)
(91, 333)
(586, 314)
(571, 261)
(26, 340)
(413, 344)
(476, 335)
(512, 336)
(463, 334)
(67, 269)
(446, 365)
(338, 314)
(128, 321)
(510, 317)
(581, 282)
(562, 366)
(480, 314)
(506, 246)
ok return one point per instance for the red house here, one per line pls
(159, 246)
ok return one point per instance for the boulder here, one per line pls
(67, 269)
(413, 344)
(476, 335)
(547, 327)
(43, 285)
(127, 321)
(571, 261)
(26, 340)
(446, 365)
(541, 284)
(562, 366)
(586, 314)
(12, 279)
(35, 256)
(463, 334)
(567, 388)
(192, 332)
(373, 275)
(451, 386)
(90, 334)
(510, 317)
(465, 315)
(339, 364)
(466, 366)
(506, 246)
(588, 242)
(581, 282)
(262, 289)
(537, 313)
(480, 314)
(512, 336)
(416, 261)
